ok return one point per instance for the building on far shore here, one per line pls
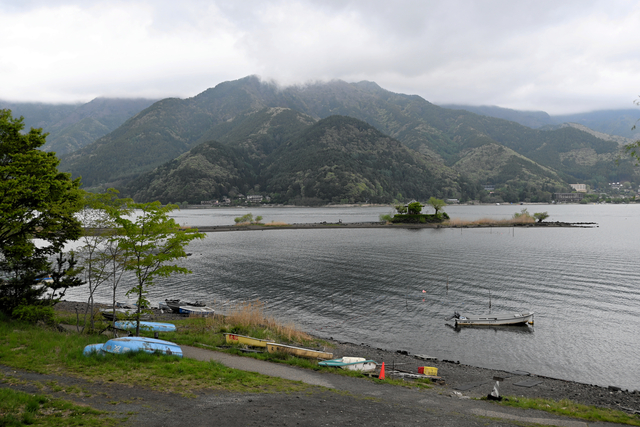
(580, 188)
(254, 198)
(568, 197)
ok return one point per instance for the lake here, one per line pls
(393, 288)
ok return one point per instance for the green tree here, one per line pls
(244, 218)
(37, 203)
(151, 242)
(401, 209)
(436, 204)
(415, 208)
(98, 246)
(541, 216)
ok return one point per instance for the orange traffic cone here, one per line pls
(381, 376)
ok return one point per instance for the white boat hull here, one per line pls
(496, 319)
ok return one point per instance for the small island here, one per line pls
(408, 216)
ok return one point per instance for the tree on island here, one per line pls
(541, 216)
(402, 209)
(248, 218)
(38, 204)
(436, 204)
(414, 208)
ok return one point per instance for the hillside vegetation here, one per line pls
(269, 128)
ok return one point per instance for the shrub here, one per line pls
(34, 313)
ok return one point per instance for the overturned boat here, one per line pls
(351, 364)
(273, 347)
(129, 344)
(243, 339)
(493, 319)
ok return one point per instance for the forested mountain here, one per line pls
(73, 126)
(495, 164)
(532, 119)
(209, 171)
(609, 122)
(338, 159)
(258, 118)
(341, 159)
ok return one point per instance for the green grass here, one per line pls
(573, 409)
(18, 408)
(247, 319)
(48, 351)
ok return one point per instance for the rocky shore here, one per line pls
(478, 382)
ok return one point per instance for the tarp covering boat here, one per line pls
(146, 326)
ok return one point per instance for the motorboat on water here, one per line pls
(501, 319)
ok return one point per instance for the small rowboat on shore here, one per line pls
(297, 351)
(493, 319)
(243, 339)
(196, 309)
(351, 364)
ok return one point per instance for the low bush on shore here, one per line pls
(488, 222)
(251, 316)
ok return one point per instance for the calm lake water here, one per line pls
(388, 288)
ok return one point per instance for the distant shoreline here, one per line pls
(325, 225)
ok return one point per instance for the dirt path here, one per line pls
(352, 402)
(364, 403)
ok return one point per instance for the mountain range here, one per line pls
(73, 126)
(339, 142)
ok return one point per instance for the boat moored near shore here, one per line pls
(493, 319)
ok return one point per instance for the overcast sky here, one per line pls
(560, 56)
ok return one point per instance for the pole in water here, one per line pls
(489, 300)
(447, 285)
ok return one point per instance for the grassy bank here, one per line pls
(569, 408)
(48, 351)
(18, 409)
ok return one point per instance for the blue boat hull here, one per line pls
(128, 344)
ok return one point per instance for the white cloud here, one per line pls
(548, 55)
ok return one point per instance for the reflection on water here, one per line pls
(513, 329)
(392, 288)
